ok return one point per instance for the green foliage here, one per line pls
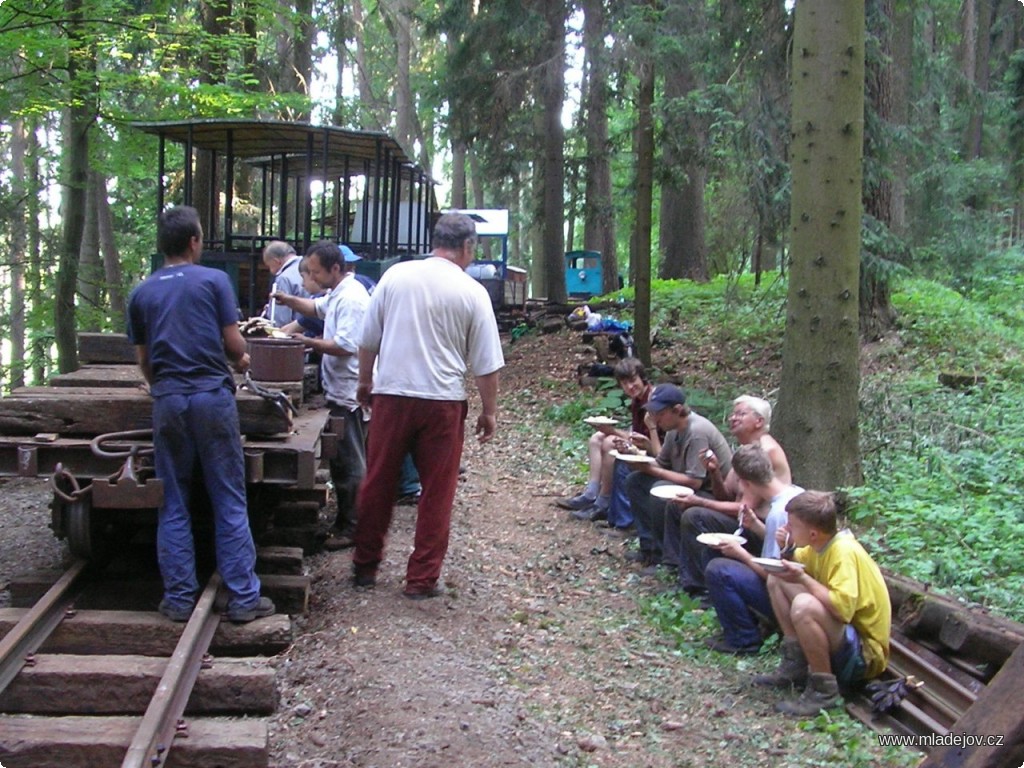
(944, 491)
(680, 618)
(945, 330)
(851, 745)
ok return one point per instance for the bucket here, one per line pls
(276, 359)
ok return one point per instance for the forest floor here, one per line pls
(538, 653)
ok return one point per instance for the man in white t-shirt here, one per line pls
(737, 586)
(427, 323)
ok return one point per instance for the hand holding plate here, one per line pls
(791, 571)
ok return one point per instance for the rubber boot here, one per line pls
(792, 670)
(822, 692)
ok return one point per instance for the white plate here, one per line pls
(601, 421)
(772, 565)
(718, 539)
(633, 458)
(671, 491)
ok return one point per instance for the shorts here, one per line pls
(848, 663)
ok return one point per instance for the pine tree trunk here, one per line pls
(599, 212)
(89, 270)
(18, 245)
(552, 95)
(817, 410)
(75, 181)
(641, 255)
(108, 249)
(681, 223)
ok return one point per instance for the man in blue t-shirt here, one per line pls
(183, 321)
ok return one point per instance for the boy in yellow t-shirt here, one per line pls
(832, 605)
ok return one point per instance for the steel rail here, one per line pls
(162, 720)
(25, 638)
(945, 693)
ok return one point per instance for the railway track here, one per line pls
(102, 686)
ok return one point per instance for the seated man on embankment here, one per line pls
(687, 517)
(688, 437)
(736, 584)
(595, 502)
(832, 605)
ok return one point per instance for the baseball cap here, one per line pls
(349, 254)
(665, 396)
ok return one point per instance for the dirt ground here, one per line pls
(537, 654)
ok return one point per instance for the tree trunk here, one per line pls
(599, 211)
(681, 223)
(108, 249)
(303, 51)
(82, 90)
(901, 68)
(400, 12)
(876, 311)
(538, 269)
(339, 39)
(641, 256)
(372, 115)
(458, 173)
(552, 95)
(214, 17)
(19, 239)
(39, 352)
(90, 280)
(817, 411)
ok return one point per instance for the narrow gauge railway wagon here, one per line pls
(252, 182)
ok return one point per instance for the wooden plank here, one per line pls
(309, 538)
(279, 560)
(968, 632)
(105, 348)
(150, 634)
(997, 712)
(290, 593)
(88, 742)
(91, 411)
(120, 376)
(115, 684)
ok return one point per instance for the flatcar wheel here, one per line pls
(85, 535)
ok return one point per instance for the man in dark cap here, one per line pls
(681, 461)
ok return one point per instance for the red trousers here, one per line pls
(433, 431)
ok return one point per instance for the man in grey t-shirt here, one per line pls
(688, 437)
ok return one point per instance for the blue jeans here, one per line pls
(201, 430)
(648, 514)
(681, 529)
(620, 514)
(741, 601)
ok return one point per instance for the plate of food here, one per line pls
(632, 458)
(671, 491)
(773, 565)
(718, 539)
(601, 421)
